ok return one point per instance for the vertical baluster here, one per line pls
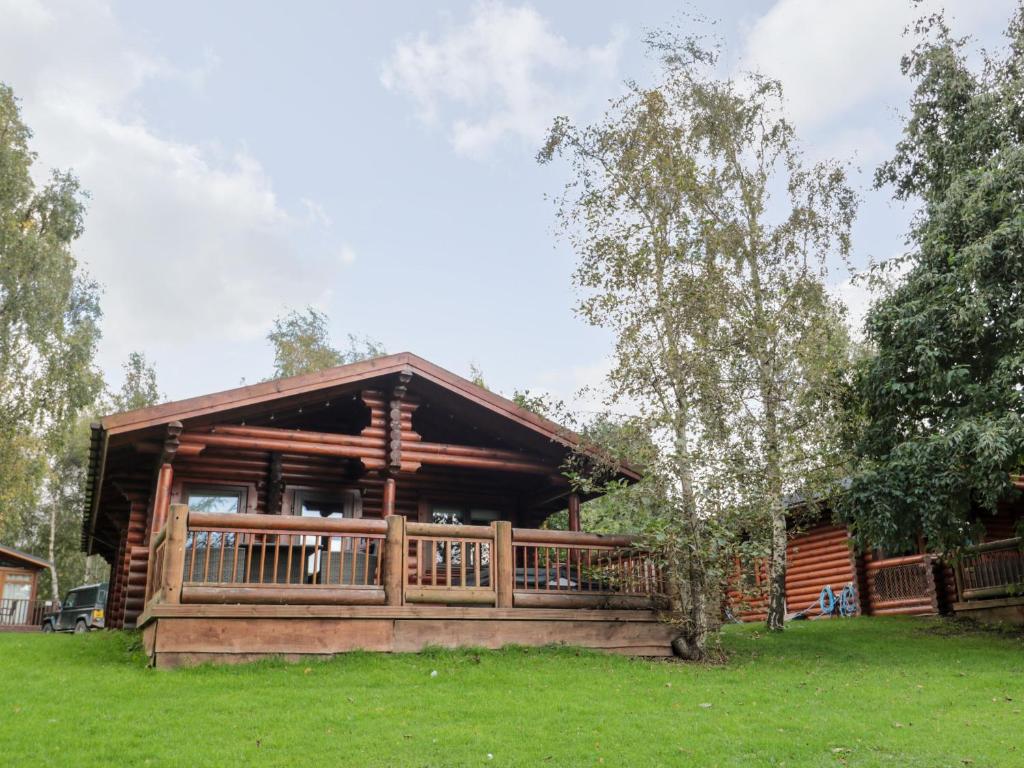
(248, 557)
(419, 562)
(380, 560)
(536, 566)
(558, 568)
(355, 556)
(206, 559)
(476, 563)
(277, 557)
(366, 560)
(462, 563)
(327, 559)
(448, 563)
(263, 555)
(220, 557)
(190, 554)
(316, 553)
(234, 558)
(288, 565)
(433, 562)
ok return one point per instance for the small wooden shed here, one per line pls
(19, 580)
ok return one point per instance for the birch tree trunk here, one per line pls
(54, 584)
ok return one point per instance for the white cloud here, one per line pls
(502, 73)
(187, 241)
(834, 57)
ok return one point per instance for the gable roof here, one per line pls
(403, 362)
(25, 557)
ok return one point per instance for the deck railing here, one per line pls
(23, 612)
(451, 564)
(201, 557)
(569, 569)
(991, 570)
(902, 585)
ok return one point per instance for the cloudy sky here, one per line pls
(375, 160)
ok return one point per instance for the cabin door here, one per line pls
(17, 591)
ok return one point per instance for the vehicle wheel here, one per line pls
(80, 627)
(47, 627)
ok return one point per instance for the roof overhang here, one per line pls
(267, 392)
(25, 557)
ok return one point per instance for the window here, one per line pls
(461, 515)
(310, 503)
(325, 504)
(79, 597)
(229, 499)
(454, 515)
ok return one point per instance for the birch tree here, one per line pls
(302, 344)
(704, 238)
(49, 315)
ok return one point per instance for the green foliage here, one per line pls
(49, 315)
(727, 343)
(139, 388)
(541, 404)
(302, 344)
(476, 375)
(59, 515)
(862, 693)
(938, 411)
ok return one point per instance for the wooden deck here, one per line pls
(990, 582)
(237, 587)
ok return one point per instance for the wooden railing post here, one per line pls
(502, 562)
(394, 561)
(174, 553)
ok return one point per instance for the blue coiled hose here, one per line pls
(828, 603)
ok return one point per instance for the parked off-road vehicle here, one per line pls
(81, 610)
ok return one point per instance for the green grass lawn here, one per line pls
(858, 692)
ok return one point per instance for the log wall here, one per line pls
(816, 557)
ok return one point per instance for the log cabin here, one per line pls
(20, 608)
(385, 505)
(983, 582)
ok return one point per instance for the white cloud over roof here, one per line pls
(502, 72)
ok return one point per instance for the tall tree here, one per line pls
(49, 316)
(139, 387)
(726, 339)
(302, 344)
(55, 528)
(940, 405)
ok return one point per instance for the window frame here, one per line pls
(246, 493)
(352, 498)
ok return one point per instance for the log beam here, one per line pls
(574, 512)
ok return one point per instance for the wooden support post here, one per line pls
(502, 563)
(161, 503)
(174, 553)
(275, 484)
(394, 561)
(162, 496)
(389, 497)
(574, 512)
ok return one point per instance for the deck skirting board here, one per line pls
(180, 639)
